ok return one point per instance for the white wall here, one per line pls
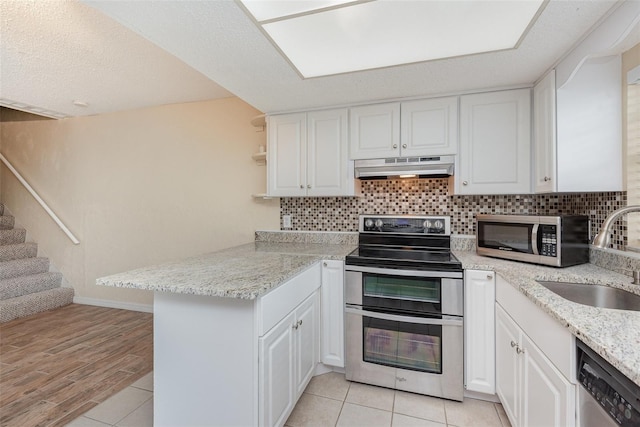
(138, 187)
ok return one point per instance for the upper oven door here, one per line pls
(404, 291)
(517, 237)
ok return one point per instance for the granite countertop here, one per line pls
(614, 334)
(245, 272)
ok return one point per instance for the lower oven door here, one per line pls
(417, 354)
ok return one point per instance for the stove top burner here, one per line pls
(405, 242)
(413, 259)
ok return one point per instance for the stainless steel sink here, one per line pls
(595, 295)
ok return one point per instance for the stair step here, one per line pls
(27, 305)
(23, 267)
(7, 222)
(18, 251)
(13, 236)
(23, 285)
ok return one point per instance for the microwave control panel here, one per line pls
(549, 246)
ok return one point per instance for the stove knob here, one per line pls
(427, 224)
(379, 223)
(368, 223)
(439, 224)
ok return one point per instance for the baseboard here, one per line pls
(481, 396)
(146, 308)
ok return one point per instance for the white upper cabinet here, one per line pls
(287, 155)
(429, 127)
(589, 121)
(544, 134)
(495, 143)
(308, 155)
(426, 127)
(375, 131)
(328, 154)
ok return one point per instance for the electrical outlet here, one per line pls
(286, 221)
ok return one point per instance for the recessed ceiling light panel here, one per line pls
(380, 34)
(266, 10)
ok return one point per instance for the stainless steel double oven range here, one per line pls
(404, 306)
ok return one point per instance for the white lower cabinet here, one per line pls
(277, 368)
(332, 316)
(533, 385)
(479, 331)
(287, 361)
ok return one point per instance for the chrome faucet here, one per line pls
(603, 239)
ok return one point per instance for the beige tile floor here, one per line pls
(329, 400)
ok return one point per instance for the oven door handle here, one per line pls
(406, 319)
(412, 273)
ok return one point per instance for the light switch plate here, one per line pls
(286, 221)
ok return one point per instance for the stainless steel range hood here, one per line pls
(423, 167)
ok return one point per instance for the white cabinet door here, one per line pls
(589, 114)
(544, 134)
(375, 131)
(277, 373)
(306, 341)
(429, 127)
(328, 154)
(287, 155)
(495, 143)
(332, 343)
(479, 333)
(548, 398)
(507, 367)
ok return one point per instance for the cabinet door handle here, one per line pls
(546, 178)
(395, 145)
(519, 350)
(513, 344)
(300, 322)
(489, 277)
(308, 185)
(404, 145)
(301, 186)
(295, 326)
(465, 183)
(325, 264)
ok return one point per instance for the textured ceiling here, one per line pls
(55, 52)
(221, 41)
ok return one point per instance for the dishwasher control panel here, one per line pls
(619, 399)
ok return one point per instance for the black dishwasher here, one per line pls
(605, 396)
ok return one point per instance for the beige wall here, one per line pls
(138, 187)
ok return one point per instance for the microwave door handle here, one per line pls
(534, 239)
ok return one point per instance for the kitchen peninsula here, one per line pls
(236, 332)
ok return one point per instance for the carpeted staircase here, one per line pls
(26, 284)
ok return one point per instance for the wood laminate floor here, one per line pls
(57, 365)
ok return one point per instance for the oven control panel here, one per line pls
(401, 224)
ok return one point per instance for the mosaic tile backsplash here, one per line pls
(431, 197)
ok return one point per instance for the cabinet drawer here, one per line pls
(555, 341)
(275, 305)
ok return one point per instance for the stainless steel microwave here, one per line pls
(558, 241)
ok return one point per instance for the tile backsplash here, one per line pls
(431, 197)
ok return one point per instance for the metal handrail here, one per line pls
(39, 200)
